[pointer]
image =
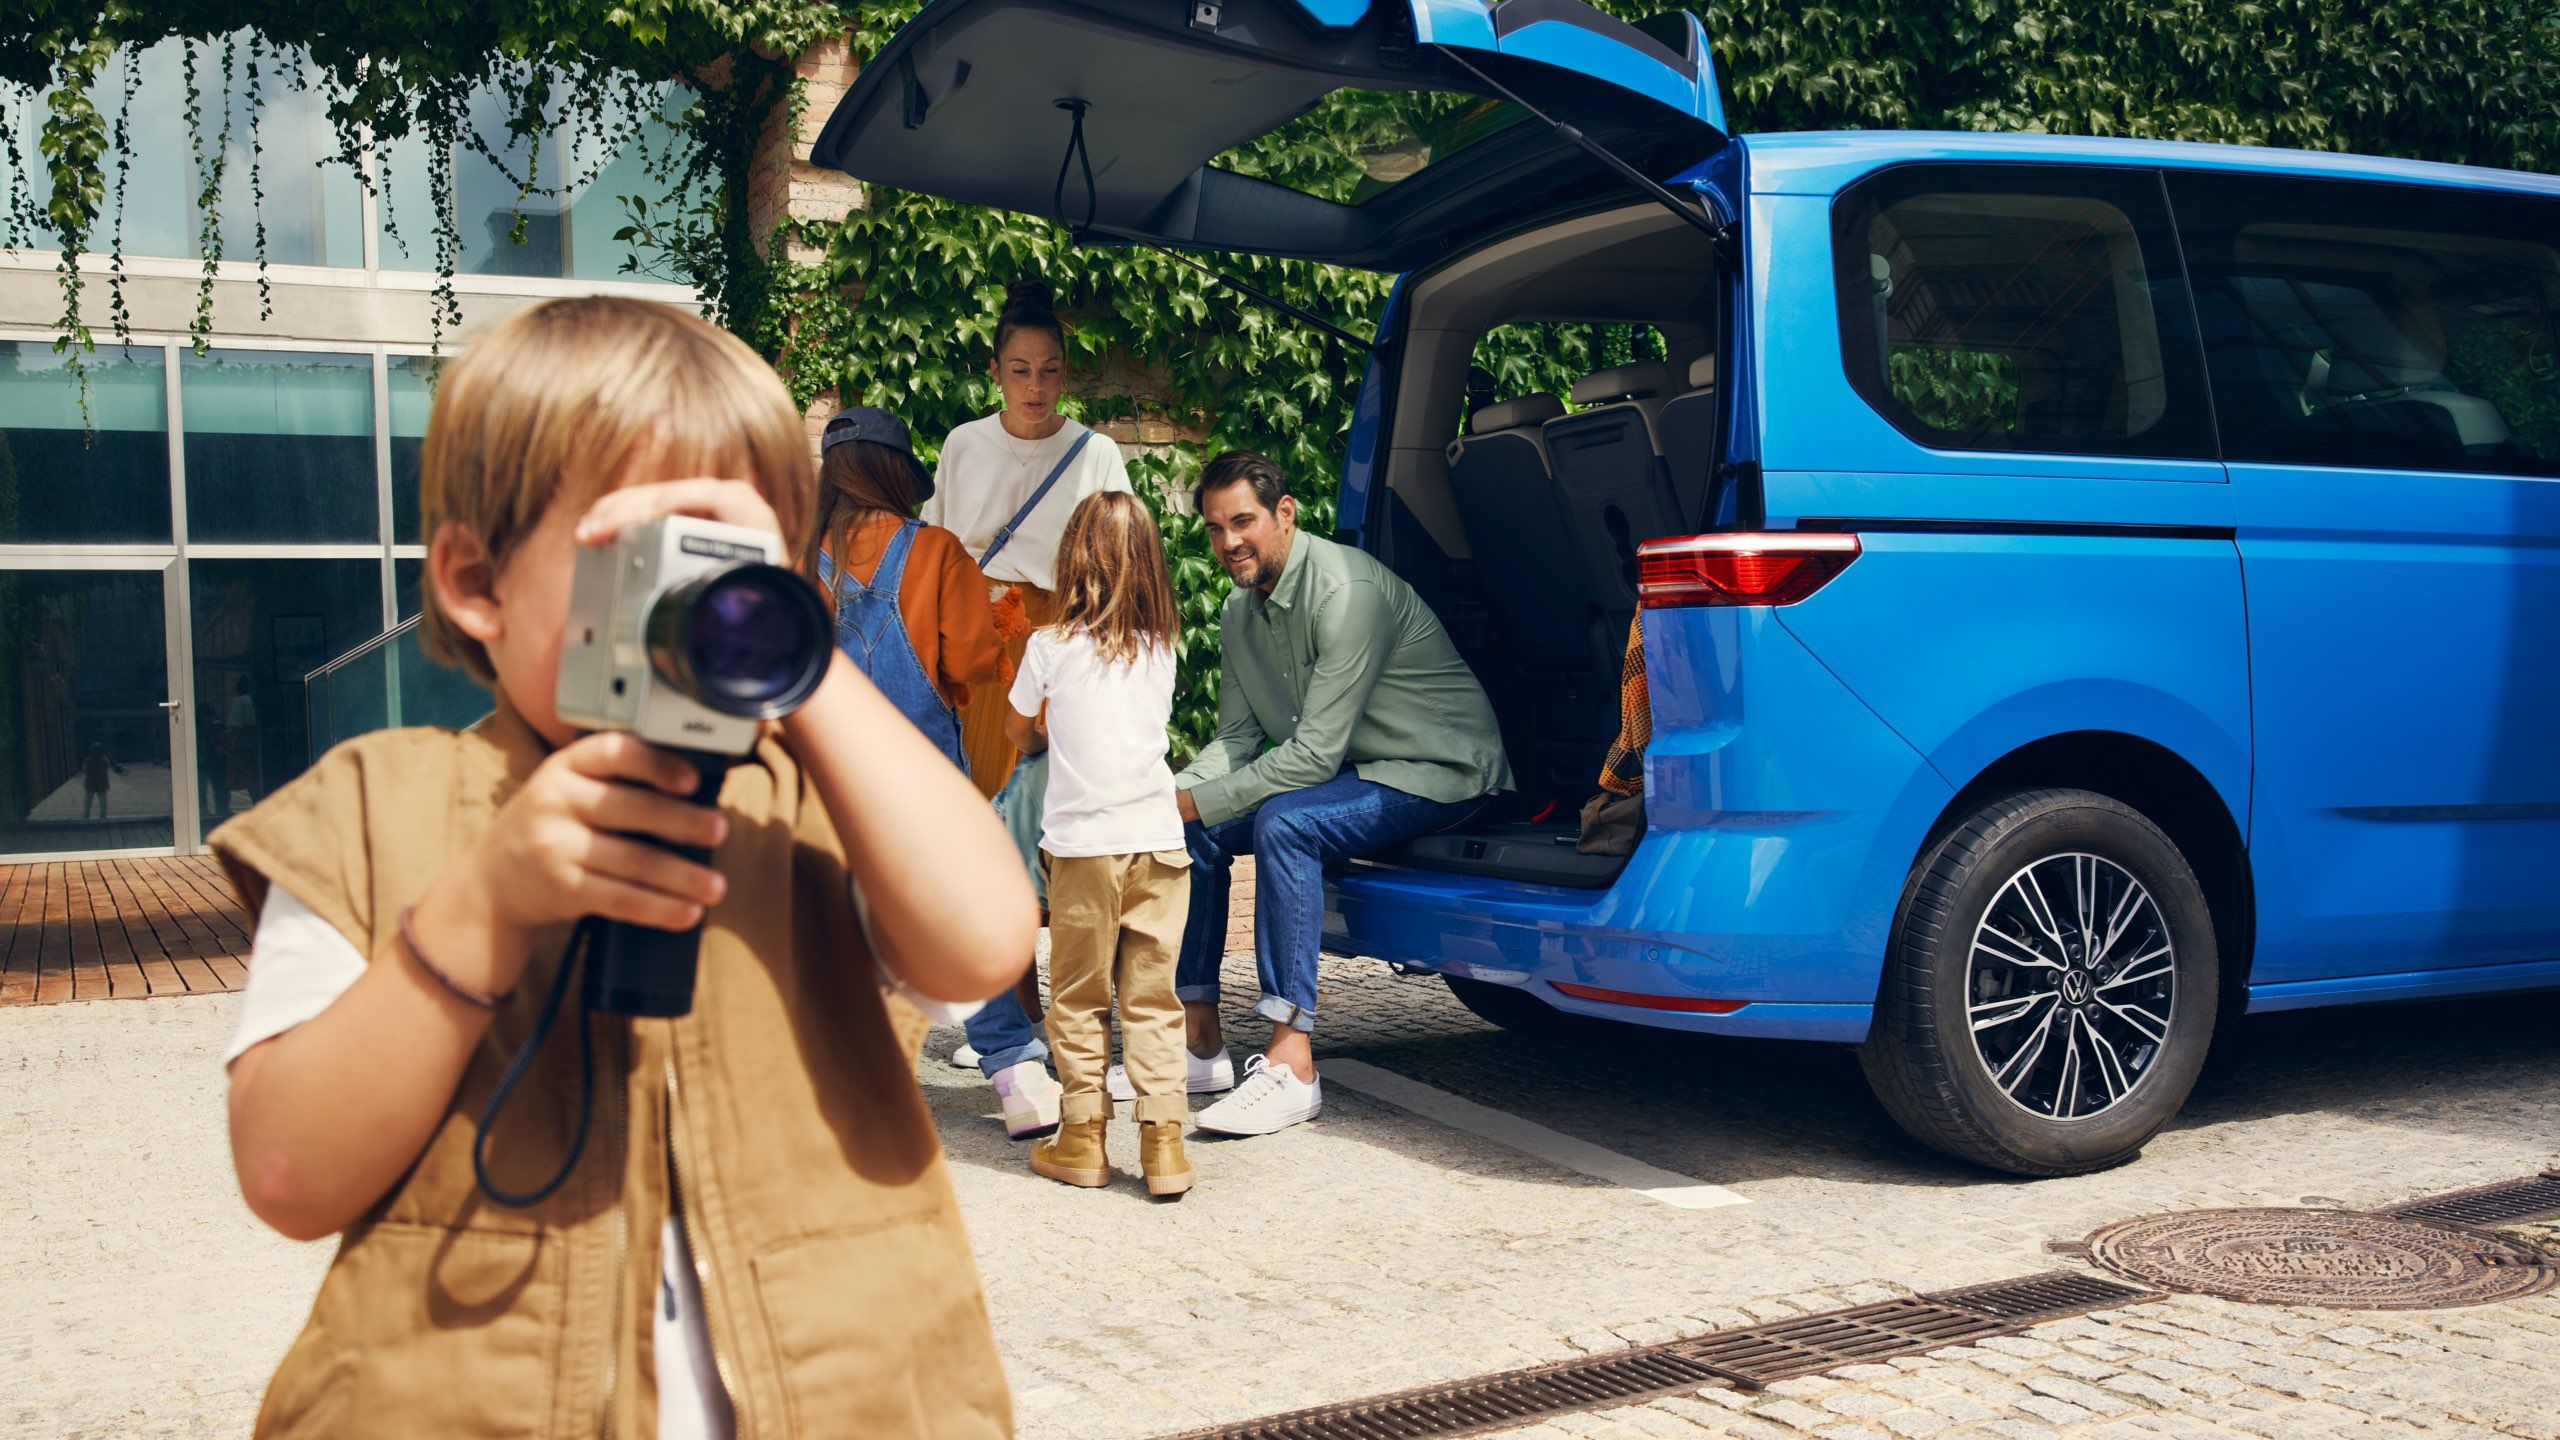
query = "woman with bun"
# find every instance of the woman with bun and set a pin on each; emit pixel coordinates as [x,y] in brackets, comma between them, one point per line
[989,491]
[1006,485]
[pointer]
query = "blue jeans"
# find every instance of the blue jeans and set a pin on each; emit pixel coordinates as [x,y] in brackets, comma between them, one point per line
[1293,837]
[1001,1032]
[1003,1035]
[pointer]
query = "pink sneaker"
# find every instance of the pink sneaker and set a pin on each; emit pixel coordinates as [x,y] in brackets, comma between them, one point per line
[1030,1098]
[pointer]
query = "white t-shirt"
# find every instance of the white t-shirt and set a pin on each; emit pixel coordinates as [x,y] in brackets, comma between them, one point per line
[1110,792]
[299,964]
[986,474]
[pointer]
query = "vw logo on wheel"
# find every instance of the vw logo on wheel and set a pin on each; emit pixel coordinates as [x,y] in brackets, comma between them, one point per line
[2075,986]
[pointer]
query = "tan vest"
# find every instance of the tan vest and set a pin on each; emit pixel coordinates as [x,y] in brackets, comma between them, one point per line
[781,1117]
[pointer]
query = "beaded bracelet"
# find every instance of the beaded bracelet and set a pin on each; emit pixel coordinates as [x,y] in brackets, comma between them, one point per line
[477,999]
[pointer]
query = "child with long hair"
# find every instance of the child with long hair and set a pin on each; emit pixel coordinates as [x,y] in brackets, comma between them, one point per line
[1119,873]
[911,608]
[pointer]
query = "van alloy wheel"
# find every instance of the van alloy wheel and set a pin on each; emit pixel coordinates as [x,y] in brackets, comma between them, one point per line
[2072,986]
[2050,987]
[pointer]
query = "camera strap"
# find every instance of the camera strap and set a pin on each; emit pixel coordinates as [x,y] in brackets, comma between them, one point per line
[1006,533]
[579,943]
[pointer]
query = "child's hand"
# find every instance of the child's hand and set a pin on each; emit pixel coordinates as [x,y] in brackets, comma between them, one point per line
[732,502]
[566,847]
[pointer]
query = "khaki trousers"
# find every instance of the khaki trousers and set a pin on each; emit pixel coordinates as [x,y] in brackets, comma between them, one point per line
[1115,925]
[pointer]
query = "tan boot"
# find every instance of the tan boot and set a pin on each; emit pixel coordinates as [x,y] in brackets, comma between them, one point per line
[1074,1156]
[1160,1158]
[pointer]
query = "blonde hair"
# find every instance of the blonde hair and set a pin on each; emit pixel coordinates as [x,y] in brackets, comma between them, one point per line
[1112,582]
[561,398]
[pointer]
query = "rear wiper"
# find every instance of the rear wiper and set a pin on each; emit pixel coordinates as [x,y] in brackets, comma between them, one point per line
[1265,297]
[1652,189]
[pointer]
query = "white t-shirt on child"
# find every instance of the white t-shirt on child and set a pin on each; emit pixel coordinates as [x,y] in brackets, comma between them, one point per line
[1110,791]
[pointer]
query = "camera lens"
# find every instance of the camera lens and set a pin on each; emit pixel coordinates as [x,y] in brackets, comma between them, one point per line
[749,640]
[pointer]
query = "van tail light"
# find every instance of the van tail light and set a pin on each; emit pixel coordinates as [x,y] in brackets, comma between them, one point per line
[1777,567]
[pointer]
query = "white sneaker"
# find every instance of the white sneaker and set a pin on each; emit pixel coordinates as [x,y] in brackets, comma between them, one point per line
[1199,1076]
[965,1058]
[1030,1098]
[1270,1098]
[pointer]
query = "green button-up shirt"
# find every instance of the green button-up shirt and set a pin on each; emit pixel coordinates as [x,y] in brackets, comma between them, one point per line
[1342,664]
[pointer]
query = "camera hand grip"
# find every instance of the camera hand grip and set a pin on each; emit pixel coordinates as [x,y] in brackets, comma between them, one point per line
[634,970]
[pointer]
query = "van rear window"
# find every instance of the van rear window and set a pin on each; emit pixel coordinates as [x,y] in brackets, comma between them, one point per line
[2385,326]
[2012,307]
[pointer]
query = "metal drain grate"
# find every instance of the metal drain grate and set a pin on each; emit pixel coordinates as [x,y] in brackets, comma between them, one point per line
[2038,1298]
[1752,1358]
[1808,1345]
[2509,1202]
[1495,1402]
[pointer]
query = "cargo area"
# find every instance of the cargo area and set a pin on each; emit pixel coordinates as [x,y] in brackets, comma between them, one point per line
[1517,515]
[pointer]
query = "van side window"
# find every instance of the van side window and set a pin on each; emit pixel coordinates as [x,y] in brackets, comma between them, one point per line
[2020,307]
[2391,326]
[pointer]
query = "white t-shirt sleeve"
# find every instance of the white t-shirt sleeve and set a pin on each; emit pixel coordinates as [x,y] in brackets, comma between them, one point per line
[1031,679]
[298,964]
[1115,473]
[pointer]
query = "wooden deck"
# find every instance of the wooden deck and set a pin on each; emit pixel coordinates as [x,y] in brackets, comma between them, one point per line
[118,930]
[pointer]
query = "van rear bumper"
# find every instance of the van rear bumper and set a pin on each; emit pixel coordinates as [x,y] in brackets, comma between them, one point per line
[1776,854]
[1795,986]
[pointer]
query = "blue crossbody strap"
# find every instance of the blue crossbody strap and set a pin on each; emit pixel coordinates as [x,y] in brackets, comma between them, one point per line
[1037,496]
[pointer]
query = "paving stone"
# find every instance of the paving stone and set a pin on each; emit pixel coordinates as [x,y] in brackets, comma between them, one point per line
[1793,1413]
[2082,1367]
[2059,1412]
[2017,1429]
[2144,1388]
[1860,1403]
[1916,1424]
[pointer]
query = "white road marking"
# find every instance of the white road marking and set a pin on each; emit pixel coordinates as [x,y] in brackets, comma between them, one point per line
[1528,1138]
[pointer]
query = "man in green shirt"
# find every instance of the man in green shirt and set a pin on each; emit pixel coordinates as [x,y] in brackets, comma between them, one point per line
[1347,725]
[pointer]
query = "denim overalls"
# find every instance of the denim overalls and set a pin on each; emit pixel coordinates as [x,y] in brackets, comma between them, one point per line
[873,635]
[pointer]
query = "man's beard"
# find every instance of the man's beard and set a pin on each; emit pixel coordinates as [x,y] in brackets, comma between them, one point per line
[1255,574]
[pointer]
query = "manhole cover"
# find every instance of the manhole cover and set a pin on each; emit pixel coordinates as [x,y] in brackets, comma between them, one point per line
[2335,1258]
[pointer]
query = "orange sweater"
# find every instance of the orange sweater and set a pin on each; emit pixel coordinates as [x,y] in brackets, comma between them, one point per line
[943,600]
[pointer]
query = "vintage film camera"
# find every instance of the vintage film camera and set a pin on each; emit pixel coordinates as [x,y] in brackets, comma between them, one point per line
[689,634]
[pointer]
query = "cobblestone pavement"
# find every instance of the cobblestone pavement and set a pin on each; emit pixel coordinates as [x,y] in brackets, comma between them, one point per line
[1374,1250]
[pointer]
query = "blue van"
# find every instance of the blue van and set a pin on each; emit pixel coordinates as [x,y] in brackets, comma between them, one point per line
[2087,588]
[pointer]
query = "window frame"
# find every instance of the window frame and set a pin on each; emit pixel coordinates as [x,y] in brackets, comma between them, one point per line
[2184,430]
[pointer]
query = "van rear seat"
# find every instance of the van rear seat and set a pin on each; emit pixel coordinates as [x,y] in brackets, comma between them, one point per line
[1687,427]
[1610,474]
[1515,519]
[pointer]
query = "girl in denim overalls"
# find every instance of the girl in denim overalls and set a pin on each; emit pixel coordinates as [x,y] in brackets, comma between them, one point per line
[911,607]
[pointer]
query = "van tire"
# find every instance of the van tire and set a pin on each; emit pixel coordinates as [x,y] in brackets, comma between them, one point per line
[1922,1056]
[1509,1008]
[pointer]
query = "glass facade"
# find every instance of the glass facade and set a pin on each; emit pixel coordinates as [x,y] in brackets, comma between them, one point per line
[279,531]
[85,755]
[63,484]
[505,226]
[279,447]
[260,626]
[412,388]
[314,205]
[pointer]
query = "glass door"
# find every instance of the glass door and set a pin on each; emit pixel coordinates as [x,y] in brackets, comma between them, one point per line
[96,748]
